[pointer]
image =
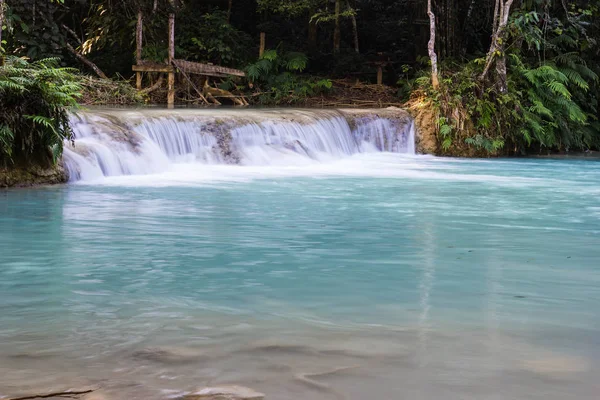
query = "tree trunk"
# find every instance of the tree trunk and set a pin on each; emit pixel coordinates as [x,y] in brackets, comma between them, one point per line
[501,74]
[138,48]
[171,76]
[431,47]
[337,36]
[465,42]
[138,36]
[261,49]
[354,30]
[1,22]
[229,7]
[312,34]
[496,51]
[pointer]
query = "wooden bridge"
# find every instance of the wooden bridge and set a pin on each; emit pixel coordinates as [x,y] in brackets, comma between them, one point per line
[186,68]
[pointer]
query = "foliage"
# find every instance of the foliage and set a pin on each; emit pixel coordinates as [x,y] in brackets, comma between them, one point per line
[549,104]
[96,91]
[34,102]
[217,41]
[33,27]
[279,75]
[550,46]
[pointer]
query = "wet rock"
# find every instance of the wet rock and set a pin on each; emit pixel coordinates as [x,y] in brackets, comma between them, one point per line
[32,175]
[224,142]
[227,392]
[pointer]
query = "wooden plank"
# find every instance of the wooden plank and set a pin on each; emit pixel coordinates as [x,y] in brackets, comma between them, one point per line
[194,86]
[152,68]
[206,69]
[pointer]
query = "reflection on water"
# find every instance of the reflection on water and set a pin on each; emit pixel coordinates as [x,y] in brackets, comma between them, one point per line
[376,276]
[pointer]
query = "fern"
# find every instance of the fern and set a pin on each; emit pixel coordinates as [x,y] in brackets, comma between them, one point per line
[34,102]
[296,61]
[278,75]
[270,55]
[559,88]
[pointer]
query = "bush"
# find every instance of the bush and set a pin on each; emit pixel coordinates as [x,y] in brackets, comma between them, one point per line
[35,98]
[277,78]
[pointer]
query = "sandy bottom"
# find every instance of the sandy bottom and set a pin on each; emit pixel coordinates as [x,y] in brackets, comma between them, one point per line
[305,362]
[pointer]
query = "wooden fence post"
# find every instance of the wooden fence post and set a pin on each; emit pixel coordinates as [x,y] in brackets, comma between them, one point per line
[171,77]
[138,49]
[261,49]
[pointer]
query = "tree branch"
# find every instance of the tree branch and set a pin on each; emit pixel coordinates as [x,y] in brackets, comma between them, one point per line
[86,61]
[72,32]
[156,85]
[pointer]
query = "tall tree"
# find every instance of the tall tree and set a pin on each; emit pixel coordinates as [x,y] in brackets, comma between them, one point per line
[352,13]
[337,35]
[431,47]
[496,52]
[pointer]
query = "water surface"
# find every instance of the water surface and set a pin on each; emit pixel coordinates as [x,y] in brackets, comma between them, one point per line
[376,275]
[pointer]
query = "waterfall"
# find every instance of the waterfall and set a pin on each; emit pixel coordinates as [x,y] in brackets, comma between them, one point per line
[125,142]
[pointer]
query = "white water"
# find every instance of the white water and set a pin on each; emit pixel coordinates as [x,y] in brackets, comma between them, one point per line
[119,143]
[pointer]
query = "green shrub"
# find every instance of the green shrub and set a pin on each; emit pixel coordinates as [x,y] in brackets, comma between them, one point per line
[35,98]
[277,78]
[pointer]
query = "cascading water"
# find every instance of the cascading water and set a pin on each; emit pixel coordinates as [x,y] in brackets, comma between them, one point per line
[121,142]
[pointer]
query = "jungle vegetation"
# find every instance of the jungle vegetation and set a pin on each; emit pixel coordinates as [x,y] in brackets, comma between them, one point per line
[497,77]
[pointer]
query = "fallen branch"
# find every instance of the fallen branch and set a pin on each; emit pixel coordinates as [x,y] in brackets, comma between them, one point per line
[156,85]
[86,61]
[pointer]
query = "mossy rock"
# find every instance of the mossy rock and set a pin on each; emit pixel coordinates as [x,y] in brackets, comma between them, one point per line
[32,176]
